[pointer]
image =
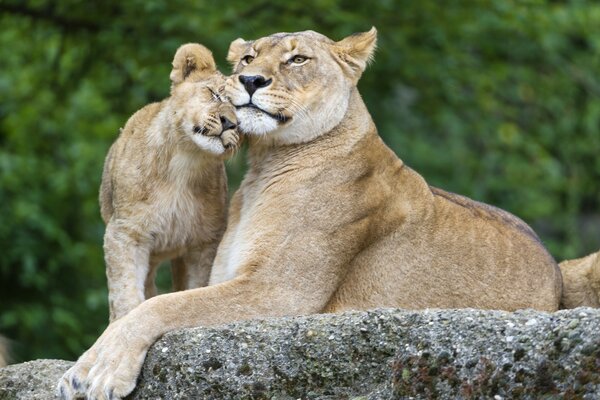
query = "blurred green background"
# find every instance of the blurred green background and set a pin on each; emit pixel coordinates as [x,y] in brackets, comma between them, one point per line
[496,100]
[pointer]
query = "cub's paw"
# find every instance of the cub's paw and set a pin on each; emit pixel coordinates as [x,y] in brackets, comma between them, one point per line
[230,139]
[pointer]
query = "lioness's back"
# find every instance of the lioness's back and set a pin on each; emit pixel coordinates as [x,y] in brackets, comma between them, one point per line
[446,251]
[496,249]
[487,212]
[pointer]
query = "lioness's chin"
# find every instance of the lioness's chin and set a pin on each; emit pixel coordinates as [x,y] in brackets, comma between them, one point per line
[255,122]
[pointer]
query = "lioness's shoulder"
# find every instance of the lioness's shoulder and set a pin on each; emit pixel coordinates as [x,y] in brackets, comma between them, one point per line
[486,211]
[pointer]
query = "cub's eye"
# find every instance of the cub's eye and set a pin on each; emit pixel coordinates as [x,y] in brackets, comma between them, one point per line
[215,95]
[298,59]
[247,60]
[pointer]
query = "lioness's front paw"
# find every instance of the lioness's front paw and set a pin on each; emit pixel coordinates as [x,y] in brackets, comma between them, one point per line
[108,371]
[72,385]
[230,139]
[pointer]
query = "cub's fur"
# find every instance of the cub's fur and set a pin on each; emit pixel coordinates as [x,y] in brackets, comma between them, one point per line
[328,219]
[3,352]
[164,188]
[581,280]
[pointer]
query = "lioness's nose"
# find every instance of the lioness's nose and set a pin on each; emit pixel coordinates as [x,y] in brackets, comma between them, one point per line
[226,124]
[254,82]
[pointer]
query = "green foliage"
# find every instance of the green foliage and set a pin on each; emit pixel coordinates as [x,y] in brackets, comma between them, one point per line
[497,100]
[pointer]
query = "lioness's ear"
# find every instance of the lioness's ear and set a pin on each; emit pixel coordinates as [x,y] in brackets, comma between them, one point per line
[236,50]
[355,52]
[192,62]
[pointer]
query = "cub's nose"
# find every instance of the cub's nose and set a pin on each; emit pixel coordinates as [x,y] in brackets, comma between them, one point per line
[254,82]
[226,124]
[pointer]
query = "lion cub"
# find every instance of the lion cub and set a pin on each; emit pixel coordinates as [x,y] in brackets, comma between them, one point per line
[164,189]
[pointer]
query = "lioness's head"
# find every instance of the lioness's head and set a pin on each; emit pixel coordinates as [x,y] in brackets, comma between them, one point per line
[293,87]
[200,110]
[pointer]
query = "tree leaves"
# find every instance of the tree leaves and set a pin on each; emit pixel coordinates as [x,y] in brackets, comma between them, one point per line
[499,101]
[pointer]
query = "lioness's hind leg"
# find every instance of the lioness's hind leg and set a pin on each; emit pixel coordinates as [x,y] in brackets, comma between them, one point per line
[193,269]
[127,263]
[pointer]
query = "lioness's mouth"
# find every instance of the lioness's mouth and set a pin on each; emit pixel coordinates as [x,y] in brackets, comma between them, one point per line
[278,117]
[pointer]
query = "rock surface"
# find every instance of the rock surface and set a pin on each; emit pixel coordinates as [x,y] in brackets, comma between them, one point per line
[378,354]
[31,380]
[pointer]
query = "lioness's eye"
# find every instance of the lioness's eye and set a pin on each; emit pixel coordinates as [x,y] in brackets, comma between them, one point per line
[298,59]
[247,60]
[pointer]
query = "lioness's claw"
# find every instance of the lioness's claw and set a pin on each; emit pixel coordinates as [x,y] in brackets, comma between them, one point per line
[61,392]
[70,385]
[75,383]
[101,384]
[69,388]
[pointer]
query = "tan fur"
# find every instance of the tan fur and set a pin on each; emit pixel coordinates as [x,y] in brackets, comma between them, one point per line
[581,282]
[4,359]
[164,188]
[329,219]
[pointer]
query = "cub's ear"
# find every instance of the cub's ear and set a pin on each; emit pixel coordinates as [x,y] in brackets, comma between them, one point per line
[355,52]
[236,50]
[192,62]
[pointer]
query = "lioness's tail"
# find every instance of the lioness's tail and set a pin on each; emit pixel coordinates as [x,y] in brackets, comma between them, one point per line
[581,282]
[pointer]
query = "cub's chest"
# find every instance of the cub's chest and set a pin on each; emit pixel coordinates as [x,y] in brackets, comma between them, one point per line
[189,205]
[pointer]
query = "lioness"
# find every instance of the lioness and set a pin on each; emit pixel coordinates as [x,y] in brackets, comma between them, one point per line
[164,188]
[327,219]
[581,282]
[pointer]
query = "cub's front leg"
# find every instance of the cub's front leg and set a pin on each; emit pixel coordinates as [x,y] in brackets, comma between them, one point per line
[127,257]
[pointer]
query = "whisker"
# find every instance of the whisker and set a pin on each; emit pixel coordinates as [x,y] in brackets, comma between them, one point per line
[298,110]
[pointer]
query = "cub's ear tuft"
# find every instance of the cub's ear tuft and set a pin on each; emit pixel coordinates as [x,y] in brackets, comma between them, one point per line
[355,52]
[236,50]
[192,62]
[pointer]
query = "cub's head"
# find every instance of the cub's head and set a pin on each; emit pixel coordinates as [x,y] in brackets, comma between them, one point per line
[199,108]
[293,87]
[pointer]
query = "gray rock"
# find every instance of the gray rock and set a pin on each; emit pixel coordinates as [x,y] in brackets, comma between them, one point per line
[31,380]
[378,354]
